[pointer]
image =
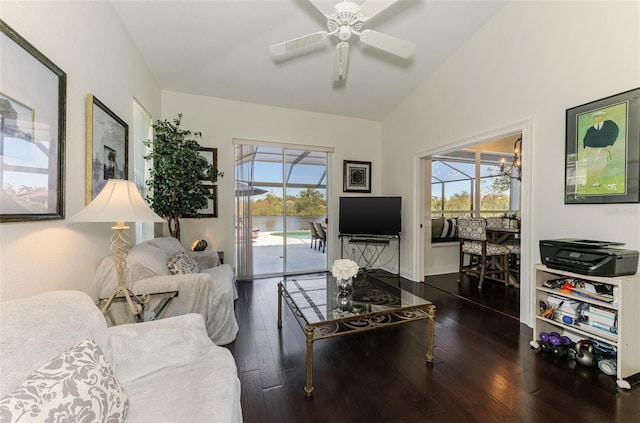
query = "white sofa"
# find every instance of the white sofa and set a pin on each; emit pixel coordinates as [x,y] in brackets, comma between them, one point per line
[166,370]
[210,293]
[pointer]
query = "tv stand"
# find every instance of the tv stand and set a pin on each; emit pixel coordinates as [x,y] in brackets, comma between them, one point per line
[366,250]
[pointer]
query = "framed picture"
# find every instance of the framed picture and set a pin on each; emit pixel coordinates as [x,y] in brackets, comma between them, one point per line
[603,151]
[210,155]
[107,147]
[212,203]
[32,132]
[356,176]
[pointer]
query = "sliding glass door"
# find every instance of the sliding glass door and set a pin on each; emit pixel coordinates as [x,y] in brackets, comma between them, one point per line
[281,192]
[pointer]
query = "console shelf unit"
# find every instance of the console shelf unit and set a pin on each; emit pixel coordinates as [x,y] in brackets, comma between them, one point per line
[626,304]
[363,242]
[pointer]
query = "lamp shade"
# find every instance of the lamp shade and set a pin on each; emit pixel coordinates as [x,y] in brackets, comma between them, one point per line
[119,201]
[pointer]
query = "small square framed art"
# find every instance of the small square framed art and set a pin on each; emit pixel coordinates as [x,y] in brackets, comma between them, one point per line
[356,176]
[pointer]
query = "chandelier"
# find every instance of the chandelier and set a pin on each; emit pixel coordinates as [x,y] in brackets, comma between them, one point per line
[517,163]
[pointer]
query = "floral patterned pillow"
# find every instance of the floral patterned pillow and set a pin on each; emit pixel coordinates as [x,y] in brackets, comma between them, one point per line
[181,263]
[79,385]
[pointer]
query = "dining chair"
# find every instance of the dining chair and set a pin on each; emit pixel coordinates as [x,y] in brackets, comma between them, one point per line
[486,259]
[514,261]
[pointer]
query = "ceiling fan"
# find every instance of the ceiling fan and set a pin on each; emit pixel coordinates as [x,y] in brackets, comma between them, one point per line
[345,19]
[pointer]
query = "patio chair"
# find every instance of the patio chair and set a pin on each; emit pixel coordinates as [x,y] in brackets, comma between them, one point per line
[314,235]
[322,236]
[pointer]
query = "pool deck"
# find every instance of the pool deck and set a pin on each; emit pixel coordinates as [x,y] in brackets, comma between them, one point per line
[268,255]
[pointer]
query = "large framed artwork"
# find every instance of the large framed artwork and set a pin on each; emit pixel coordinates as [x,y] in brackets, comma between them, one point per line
[107,147]
[32,132]
[356,176]
[603,151]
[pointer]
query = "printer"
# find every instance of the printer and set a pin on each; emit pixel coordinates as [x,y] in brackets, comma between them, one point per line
[588,257]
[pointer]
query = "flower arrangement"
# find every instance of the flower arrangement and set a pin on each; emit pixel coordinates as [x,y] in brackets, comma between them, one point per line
[344,269]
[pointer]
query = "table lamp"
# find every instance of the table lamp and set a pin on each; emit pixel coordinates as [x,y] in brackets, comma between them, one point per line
[119,201]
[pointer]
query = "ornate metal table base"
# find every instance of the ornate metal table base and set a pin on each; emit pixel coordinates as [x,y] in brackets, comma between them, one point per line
[375,307]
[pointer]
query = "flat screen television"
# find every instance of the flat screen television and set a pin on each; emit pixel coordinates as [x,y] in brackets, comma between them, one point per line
[370,215]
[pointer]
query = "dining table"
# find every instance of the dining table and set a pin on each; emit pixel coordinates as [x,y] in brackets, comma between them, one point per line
[503,235]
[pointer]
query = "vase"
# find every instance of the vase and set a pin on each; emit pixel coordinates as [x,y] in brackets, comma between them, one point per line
[344,284]
[344,301]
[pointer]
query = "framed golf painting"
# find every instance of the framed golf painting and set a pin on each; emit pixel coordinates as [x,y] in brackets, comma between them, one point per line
[602,161]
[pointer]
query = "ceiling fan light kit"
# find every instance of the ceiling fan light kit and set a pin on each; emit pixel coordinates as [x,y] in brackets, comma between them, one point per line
[340,64]
[345,21]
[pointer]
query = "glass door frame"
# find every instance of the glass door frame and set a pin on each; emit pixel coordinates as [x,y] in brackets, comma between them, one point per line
[246,175]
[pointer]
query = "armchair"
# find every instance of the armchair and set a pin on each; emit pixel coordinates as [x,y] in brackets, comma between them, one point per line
[210,293]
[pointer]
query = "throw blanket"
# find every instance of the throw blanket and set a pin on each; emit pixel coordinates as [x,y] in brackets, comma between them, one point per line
[210,293]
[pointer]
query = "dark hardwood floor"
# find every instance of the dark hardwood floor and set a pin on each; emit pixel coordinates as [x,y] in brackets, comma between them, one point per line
[484,370]
[493,295]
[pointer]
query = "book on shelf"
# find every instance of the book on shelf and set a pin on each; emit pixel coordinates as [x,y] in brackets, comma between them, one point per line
[611,330]
[595,318]
[602,312]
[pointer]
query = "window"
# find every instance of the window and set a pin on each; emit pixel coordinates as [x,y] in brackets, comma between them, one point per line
[142,131]
[495,189]
[452,184]
[468,182]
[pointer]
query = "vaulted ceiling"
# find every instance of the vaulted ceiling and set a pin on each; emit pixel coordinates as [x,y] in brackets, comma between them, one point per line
[220,48]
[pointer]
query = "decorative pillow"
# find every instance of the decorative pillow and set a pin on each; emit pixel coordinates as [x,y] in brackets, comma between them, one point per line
[443,230]
[205,259]
[436,227]
[78,385]
[448,228]
[181,263]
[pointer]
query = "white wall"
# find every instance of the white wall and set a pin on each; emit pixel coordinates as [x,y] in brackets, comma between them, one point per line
[530,63]
[88,42]
[220,121]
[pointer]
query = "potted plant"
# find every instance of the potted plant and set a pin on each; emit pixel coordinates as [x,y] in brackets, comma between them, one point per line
[178,172]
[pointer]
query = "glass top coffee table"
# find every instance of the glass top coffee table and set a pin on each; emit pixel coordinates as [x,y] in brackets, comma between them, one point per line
[323,311]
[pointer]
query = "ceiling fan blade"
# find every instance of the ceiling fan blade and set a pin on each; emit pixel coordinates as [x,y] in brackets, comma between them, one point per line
[388,43]
[282,48]
[371,8]
[325,7]
[340,62]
